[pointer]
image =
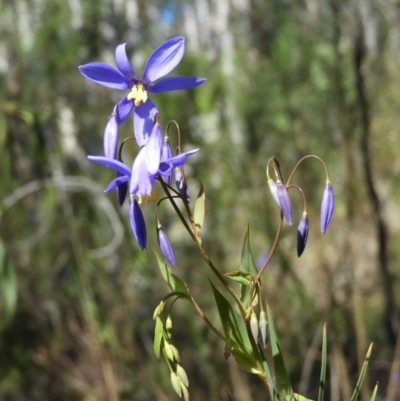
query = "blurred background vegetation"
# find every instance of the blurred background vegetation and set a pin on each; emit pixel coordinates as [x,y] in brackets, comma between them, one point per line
[284,78]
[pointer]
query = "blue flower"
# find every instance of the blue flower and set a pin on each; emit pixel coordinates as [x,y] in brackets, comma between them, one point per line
[146,168]
[163,60]
[327,205]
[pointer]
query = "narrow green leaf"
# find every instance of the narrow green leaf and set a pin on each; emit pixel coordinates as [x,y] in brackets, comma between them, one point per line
[8,283]
[174,282]
[323,366]
[233,324]
[375,392]
[240,277]
[158,337]
[248,266]
[362,374]
[199,208]
[282,382]
[267,373]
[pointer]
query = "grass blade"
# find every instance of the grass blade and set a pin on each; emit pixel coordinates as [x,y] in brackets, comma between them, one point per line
[362,375]
[323,366]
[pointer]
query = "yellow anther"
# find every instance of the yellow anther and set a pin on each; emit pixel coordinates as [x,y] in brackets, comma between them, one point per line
[148,198]
[139,94]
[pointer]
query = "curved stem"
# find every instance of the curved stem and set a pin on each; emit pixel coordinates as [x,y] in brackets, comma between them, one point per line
[201,250]
[302,195]
[301,160]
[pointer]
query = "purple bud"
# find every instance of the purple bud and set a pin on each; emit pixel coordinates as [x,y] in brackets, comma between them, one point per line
[302,234]
[165,246]
[122,190]
[166,154]
[138,224]
[274,190]
[284,201]
[110,140]
[327,205]
[182,187]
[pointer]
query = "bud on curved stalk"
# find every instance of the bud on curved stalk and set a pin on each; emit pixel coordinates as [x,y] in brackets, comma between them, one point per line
[284,201]
[138,224]
[274,191]
[327,205]
[180,184]
[263,328]
[166,154]
[110,139]
[254,326]
[165,246]
[302,234]
[122,190]
[176,384]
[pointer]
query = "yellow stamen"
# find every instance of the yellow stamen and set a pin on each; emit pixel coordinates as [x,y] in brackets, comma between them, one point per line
[148,198]
[138,93]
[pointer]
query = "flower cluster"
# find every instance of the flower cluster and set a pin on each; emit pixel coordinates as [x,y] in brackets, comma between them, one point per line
[279,192]
[155,158]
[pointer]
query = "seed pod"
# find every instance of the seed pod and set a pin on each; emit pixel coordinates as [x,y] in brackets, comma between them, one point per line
[254,326]
[264,328]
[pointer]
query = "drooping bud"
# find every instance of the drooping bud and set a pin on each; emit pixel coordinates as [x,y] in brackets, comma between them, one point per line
[254,326]
[138,224]
[122,190]
[168,351]
[180,184]
[327,205]
[274,191]
[263,328]
[165,246]
[166,153]
[302,234]
[284,201]
[110,139]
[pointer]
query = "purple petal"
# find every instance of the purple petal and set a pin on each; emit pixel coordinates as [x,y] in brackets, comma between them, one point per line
[165,246]
[122,190]
[123,63]
[110,140]
[141,180]
[105,75]
[124,107]
[112,163]
[284,201]
[327,205]
[138,224]
[164,59]
[116,182]
[153,150]
[166,154]
[178,160]
[143,121]
[302,234]
[175,83]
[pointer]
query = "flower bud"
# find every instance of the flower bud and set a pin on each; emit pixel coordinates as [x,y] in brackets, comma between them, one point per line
[302,234]
[182,375]
[176,384]
[165,246]
[254,326]
[263,328]
[122,190]
[138,224]
[274,191]
[166,153]
[327,205]
[110,139]
[284,201]
[180,184]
